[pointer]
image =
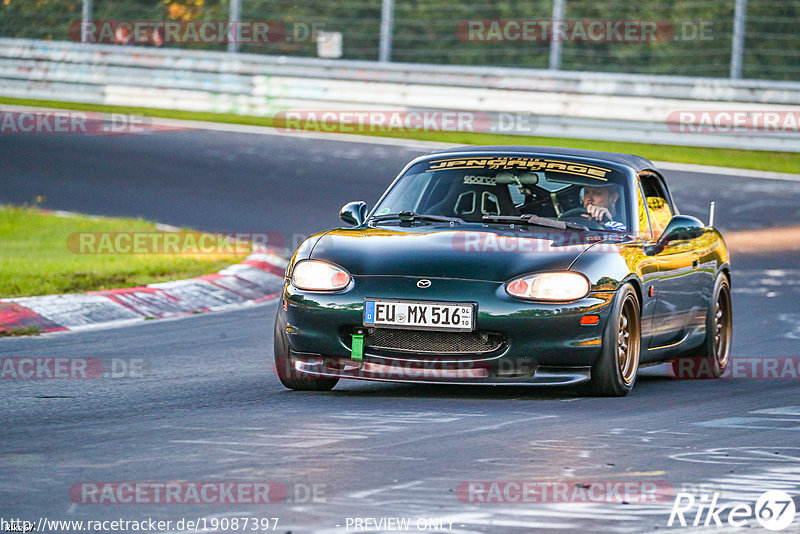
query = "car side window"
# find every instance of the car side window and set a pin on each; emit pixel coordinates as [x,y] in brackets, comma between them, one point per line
[658,207]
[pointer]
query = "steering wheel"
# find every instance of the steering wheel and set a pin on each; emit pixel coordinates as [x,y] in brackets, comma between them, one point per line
[577,215]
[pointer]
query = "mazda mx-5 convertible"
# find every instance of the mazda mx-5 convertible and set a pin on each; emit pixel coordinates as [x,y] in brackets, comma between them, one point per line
[508,265]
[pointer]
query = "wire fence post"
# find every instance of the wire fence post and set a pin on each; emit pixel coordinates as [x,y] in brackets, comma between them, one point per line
[737,43]
[86,18]
[387,15]
[555,43]
[233,17]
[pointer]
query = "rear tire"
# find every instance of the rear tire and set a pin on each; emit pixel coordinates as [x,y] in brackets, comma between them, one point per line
[284,362]
[711,359]
[614,372]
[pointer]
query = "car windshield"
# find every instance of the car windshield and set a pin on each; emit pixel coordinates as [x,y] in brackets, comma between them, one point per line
[480,189]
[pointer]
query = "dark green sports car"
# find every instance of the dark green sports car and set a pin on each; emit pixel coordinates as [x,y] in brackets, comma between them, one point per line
[508,265]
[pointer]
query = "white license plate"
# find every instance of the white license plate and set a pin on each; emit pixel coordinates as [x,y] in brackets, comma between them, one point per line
[421,315]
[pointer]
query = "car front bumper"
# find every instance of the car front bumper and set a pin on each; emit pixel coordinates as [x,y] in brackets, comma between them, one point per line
[543,343]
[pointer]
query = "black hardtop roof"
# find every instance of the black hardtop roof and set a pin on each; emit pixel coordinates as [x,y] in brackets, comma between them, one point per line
[637,162]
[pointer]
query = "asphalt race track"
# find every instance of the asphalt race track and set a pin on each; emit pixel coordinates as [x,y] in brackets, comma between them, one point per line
[203,404]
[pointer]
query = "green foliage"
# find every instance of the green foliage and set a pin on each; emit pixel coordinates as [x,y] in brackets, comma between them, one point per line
[38,19]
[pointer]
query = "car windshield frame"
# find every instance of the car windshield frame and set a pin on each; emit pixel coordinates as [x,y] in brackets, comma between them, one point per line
[621,175]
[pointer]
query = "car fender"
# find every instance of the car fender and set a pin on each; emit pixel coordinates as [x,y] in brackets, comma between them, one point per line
[609,266]
[304,250]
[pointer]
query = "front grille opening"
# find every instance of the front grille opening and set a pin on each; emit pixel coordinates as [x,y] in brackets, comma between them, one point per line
[431,342]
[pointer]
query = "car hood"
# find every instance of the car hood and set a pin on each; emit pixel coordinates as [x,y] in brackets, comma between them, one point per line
[491,254]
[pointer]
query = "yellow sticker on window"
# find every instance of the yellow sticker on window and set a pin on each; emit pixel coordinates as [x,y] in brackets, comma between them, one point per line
[528,164]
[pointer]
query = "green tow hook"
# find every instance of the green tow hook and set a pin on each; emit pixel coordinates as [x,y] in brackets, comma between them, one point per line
[357,347]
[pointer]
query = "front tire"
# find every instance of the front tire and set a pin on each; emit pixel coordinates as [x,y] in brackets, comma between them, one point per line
[284,362]
[614,372]
[711,359]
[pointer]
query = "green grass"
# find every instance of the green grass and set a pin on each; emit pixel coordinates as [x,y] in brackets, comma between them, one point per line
[35,258]
[745,159]
[27,331]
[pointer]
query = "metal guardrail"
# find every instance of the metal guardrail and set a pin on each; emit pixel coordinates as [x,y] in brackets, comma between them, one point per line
[566,104]
[717,89]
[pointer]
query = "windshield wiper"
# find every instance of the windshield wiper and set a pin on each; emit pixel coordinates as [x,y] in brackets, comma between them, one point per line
[535,220]
[409,216]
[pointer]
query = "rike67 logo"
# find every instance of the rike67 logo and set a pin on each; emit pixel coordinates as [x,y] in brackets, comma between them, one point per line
[774,510]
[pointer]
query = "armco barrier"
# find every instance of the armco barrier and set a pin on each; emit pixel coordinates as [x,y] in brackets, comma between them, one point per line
[567,104]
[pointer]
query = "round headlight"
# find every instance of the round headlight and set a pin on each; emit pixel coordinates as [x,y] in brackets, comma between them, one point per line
[555,287]
[316,275]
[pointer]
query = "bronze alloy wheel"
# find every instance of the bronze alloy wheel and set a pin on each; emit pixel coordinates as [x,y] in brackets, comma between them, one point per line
[614,371]
[710,360]
[722,326]
[628,340]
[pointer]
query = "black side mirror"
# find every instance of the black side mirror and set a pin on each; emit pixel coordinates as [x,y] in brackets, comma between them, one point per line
[354,213]
[680,228]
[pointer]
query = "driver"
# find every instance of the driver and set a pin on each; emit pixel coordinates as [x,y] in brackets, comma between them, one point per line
[600,203]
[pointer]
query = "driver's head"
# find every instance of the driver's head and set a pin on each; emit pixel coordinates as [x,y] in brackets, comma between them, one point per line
[604,197]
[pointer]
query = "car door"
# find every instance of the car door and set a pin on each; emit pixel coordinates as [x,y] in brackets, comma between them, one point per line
[678,285]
